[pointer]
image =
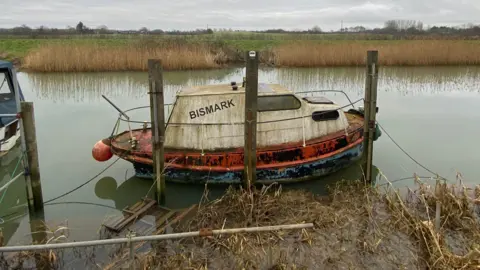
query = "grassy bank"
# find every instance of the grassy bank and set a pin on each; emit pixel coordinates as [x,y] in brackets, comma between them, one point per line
[70,55]
[356,227]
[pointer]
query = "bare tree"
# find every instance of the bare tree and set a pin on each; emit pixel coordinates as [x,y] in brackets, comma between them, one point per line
[316,29]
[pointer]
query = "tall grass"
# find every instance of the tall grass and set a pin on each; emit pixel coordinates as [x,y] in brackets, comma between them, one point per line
[406,53]
[181,54]
[78,58]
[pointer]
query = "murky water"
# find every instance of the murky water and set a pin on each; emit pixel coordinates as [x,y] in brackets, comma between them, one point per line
[430,112]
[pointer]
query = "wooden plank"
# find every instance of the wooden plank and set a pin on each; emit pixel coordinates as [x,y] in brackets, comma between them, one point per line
[182,215]
[112,222]
[134,206]
[177,218]
[165,217]
[128,211]
[125,222]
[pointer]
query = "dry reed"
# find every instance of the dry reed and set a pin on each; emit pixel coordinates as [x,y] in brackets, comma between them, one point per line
[396,53]
[355,227]
[83,58]
[181,55]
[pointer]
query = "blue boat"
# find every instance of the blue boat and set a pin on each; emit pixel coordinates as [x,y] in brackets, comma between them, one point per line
[10,97]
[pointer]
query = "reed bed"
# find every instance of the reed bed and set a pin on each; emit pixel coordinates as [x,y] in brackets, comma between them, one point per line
[402,53]
[356,227]
[97,58]
[182,54]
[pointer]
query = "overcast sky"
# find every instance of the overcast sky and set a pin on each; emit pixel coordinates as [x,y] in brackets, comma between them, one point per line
[235,14]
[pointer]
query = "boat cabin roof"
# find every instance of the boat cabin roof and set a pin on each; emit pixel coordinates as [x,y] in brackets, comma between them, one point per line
[5,64]
[8,103]
[221,89]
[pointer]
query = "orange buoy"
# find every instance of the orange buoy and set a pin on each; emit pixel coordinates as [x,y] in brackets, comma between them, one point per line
[101,151]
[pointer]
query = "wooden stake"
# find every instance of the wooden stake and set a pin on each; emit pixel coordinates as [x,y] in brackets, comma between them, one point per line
[438,194]
[39,231]
[251,93]
[155,79]
[370,111]
[34,186]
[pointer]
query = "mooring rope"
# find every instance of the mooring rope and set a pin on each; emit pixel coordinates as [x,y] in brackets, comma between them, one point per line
[408,155]
[90,180]
[86,203]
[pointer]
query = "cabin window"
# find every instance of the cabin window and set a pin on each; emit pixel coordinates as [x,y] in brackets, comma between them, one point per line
[4,83]
[278,103]
[325,115]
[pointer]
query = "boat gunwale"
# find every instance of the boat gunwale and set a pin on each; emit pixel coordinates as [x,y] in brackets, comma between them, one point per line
[149,161]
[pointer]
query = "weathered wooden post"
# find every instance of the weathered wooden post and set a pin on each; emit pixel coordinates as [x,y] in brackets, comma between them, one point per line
[370,111]
[29,142]
[251,92]
[438,206]
[155,79]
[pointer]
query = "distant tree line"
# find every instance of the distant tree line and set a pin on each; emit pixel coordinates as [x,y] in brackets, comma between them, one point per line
[395,27]
[392,27]
[81,28]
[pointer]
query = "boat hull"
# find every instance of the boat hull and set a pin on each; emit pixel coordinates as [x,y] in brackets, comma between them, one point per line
[284,163]
[290,174]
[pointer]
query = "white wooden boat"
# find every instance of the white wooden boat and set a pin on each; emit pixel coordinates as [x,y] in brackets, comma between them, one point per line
[297,137]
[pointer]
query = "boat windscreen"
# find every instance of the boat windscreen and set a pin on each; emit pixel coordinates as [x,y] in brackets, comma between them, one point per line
[8,104]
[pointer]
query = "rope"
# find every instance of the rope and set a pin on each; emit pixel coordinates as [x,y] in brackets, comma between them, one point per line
[405,152]
[88,203]
[90,180]
[403,179]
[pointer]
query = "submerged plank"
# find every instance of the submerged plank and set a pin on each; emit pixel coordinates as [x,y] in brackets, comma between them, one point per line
[141,208]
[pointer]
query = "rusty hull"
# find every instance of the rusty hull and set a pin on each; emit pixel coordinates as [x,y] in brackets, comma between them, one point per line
[289,162]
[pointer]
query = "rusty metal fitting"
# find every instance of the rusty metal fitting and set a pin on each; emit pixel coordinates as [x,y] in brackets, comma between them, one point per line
[206,232]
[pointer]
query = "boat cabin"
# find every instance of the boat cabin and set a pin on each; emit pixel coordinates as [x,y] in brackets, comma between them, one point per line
[9,103]
[212,117]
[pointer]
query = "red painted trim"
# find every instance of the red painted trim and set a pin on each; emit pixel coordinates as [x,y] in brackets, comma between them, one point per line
[223,168]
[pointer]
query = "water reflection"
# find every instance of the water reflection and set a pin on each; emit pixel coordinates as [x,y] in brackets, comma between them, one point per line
[81,87]
[13,200]
[184,195]
[404,81]
[127,193]
[133,189]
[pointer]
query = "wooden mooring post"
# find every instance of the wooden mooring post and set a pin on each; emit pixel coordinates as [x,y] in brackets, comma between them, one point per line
[155,79]
[370,111]
[251,93]
[29,145]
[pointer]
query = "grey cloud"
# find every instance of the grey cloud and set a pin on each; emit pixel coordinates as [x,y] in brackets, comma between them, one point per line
[245,14]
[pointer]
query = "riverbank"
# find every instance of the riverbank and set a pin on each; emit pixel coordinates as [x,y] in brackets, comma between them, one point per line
[355,227]
[183,54]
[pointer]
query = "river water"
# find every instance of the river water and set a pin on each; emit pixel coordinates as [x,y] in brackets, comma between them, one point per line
[430,112]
